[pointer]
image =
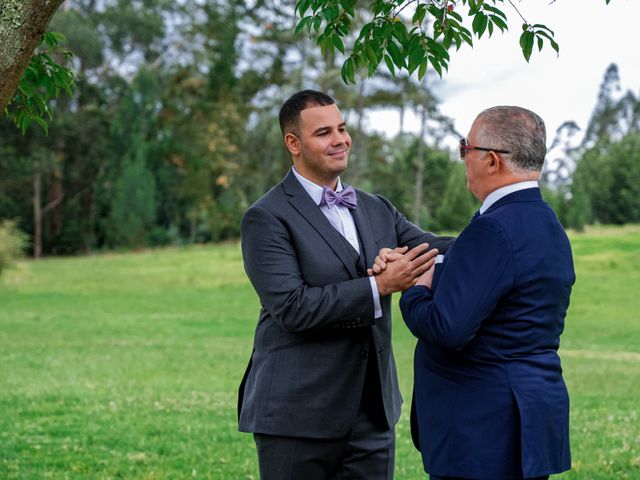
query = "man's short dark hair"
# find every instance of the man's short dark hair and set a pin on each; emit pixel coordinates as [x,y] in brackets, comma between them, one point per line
[290,112]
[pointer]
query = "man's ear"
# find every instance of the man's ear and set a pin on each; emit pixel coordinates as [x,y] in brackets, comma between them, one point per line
[495,163]
[292,143]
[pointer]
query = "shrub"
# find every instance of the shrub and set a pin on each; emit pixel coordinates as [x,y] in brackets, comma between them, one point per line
[12,243]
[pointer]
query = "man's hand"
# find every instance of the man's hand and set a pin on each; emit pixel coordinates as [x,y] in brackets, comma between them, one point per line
[386,255]
[404,271]
[427,277]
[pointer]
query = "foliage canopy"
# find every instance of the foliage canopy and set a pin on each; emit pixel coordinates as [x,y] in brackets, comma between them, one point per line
[410,35]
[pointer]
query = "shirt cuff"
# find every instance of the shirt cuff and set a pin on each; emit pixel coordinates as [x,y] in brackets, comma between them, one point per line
[377,309]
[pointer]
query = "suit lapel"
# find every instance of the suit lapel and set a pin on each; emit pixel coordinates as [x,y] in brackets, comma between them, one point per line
[302,202]
[363,225]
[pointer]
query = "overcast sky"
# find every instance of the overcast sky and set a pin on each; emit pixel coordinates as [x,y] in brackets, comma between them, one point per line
[591,35]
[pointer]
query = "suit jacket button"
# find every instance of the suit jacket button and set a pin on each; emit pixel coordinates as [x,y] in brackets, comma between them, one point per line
[364,354]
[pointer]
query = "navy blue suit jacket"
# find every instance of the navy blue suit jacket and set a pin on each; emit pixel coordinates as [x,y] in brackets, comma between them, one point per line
[489,394]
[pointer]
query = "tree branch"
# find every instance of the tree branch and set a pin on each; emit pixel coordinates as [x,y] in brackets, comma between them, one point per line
[52,204]
[518,12]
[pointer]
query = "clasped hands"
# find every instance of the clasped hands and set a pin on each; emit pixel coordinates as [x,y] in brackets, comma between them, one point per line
[399,268]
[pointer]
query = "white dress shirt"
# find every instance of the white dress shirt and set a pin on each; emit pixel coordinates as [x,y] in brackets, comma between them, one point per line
[496,195]
[340,218]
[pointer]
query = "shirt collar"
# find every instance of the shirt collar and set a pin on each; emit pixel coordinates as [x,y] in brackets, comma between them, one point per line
[496,195]
[314,190]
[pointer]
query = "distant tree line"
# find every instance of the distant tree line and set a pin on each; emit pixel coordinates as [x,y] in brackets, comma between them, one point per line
[173,133]
[595,177]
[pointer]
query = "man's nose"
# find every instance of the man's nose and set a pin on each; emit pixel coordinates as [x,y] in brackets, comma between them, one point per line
[340,138]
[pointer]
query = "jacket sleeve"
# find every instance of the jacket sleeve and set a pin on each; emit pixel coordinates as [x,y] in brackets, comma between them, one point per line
[478,272]
[272,265]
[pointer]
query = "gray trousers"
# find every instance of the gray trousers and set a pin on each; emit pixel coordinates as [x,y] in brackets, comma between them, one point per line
[367,452]
[435,477]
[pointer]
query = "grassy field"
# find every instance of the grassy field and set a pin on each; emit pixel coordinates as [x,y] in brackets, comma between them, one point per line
[127,365]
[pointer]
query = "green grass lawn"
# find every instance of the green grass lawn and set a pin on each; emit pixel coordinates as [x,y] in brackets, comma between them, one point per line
[127,365]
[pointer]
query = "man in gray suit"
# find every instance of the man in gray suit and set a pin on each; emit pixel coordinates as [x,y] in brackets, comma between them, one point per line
[321,393]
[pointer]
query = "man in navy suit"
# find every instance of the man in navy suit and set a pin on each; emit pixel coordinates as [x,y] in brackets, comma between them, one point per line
[490,400]
[321,393]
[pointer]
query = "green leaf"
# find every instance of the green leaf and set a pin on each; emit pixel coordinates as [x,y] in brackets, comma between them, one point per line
[302,23]
[436,65]
[331,13]
[458,39]
[501,24]
[543,27]
[387,29]
[346,4]
[418,16]
[435,11]
[454,14]
[479,24]
[438,49]
[302,6]
[26,88]
[448,39]
[347,71]
[43,124]
[69,88]
[337,42]
[552,42]
[495,11]
[422,70]
[53,39]
[400,32]
[49,86]
[526,43]
[317,23]
[466,36]
[389,62]
[25,121]
[371,69]
[414,41]
[325,43]
[395,54]
[415,58]
[371,56]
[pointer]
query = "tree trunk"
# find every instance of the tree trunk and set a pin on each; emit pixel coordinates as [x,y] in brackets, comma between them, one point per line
[359,149]
[418,197]
[37,214]
[22,24]
[55,195]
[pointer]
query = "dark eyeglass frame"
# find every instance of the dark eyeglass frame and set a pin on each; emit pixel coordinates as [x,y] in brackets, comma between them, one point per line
[464,146]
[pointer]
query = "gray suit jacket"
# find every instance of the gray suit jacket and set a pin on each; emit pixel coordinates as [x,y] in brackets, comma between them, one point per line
[306,374]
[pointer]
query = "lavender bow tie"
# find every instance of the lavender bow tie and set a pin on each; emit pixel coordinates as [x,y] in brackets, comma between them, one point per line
[346,198]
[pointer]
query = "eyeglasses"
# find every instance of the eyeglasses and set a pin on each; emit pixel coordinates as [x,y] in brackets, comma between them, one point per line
[464,147]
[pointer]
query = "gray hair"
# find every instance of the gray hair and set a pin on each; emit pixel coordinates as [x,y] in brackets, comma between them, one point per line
[518,130]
